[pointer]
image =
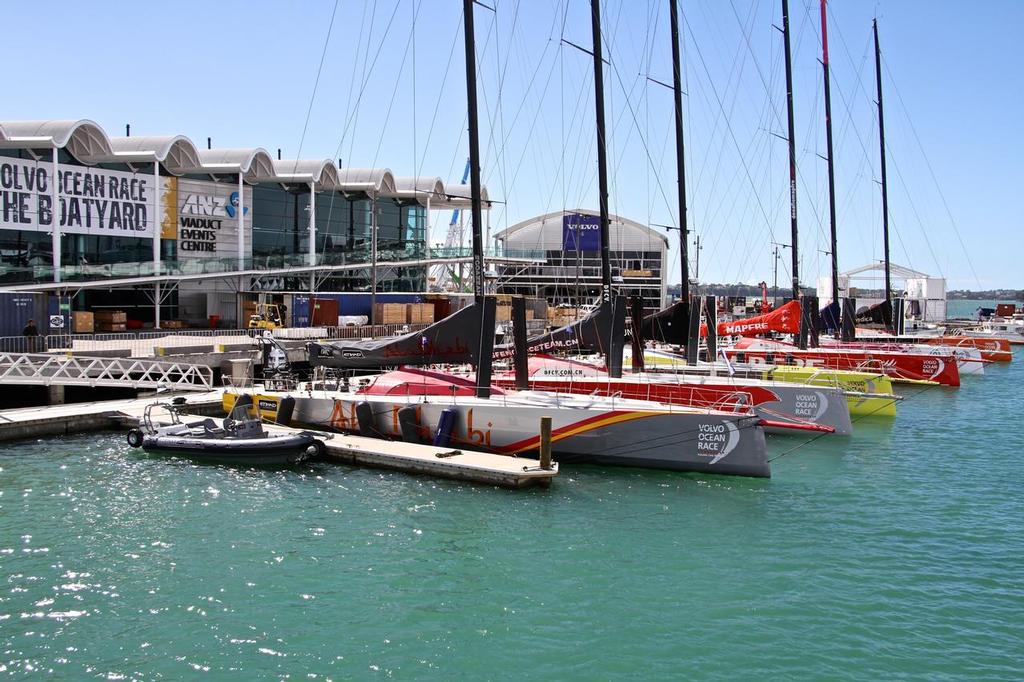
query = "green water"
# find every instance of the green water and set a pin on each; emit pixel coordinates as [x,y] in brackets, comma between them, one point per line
[898,552]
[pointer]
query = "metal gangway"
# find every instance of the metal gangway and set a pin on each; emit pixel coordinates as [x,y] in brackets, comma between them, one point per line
[65,370]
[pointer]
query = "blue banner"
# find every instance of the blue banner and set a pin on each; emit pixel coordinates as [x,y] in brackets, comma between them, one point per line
[581,232]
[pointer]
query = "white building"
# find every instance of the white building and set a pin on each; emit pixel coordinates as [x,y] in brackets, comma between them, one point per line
[571,272]
[925,295]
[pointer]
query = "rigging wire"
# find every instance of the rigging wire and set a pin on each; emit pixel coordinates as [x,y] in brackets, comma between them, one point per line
[316,82]
[732,134]
[931,172]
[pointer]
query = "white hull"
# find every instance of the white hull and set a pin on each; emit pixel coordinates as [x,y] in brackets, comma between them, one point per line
[618,432]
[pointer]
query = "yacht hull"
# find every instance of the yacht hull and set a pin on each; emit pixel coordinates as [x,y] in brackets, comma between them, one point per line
[583,429]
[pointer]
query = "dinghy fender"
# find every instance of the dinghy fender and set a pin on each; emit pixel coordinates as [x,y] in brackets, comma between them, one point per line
[285,410]
[364,417]
[409,424]
[445,425]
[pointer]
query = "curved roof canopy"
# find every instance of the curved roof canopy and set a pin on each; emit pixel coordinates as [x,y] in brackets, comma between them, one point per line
[461,196]
[175,153]
[83,139]
[254,164]
[370,180]
[304,171]
[616,221]
[898,270]
[420,189]
[178,155]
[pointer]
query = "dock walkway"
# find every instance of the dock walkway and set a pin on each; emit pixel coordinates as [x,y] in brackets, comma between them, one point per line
[443,462]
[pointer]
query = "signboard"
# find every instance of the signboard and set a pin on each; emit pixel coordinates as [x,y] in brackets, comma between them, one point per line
[204,220]
[581,232]
[92,201]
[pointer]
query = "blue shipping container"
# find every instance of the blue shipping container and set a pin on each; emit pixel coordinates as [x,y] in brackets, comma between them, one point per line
[359,303]
[300,311]
[17,309]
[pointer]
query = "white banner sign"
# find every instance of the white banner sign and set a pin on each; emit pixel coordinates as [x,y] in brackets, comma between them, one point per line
[92,200]
[207,220]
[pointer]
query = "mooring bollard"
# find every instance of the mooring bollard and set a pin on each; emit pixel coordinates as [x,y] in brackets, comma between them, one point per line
[545,442]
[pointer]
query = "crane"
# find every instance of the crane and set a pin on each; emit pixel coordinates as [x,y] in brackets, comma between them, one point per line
[444,274]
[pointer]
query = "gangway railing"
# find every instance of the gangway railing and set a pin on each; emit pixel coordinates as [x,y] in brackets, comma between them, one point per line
[62,370]
[141,343]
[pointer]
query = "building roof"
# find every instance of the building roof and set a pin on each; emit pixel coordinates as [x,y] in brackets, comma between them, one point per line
[90,145]
[369,180]
[176,153]
[898,270]
[295,171]
[420,188]
[461,196]
[254,164]
[557,215]
[83,138]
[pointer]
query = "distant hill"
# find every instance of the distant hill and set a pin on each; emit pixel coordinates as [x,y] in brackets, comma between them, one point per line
[992,294]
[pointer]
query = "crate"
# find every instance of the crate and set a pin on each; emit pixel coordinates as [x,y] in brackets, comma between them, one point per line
[420,313]
[111,316]
[173,324]
[540,308]
[83,322]
[111,327]
[503,313]
[390,313]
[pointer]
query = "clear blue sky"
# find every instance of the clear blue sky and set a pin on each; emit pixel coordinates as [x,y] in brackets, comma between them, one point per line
[244,72]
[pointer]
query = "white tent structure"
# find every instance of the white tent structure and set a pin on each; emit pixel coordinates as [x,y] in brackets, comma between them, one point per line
[925,295]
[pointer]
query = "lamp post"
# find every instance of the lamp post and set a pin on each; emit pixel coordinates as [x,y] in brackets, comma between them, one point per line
[775,272]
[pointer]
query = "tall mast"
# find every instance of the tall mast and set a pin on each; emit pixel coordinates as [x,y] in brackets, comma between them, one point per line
[793,232]
[828,142]
[474,153]
[885,193]
[602,162]
[486,340]
[677,88]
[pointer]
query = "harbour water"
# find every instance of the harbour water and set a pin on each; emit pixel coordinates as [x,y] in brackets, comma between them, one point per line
[894,553]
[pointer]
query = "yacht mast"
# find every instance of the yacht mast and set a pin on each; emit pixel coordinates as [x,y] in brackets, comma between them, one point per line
[791,139]
[828,143]
[486,342]
[474,153]
[885,194]
[602,161]
[677,89]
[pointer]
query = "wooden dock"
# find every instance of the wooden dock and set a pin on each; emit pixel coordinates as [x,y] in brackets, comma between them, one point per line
[444,462]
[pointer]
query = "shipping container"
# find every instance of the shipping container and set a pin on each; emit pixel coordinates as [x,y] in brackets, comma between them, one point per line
[300,310]
[17,309]
[323,312]
[358,303]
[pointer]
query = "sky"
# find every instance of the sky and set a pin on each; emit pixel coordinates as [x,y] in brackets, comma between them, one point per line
[381,83]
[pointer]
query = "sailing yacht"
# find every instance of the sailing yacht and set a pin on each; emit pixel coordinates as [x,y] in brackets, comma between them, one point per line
[424,405]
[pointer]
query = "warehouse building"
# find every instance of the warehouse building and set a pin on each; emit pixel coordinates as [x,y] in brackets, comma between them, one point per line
[569,243]
[129,221]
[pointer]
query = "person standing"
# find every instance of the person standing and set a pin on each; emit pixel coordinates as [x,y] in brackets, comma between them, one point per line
[31,334]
